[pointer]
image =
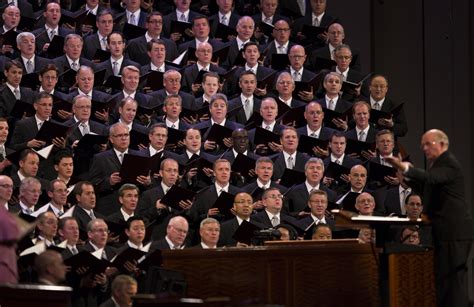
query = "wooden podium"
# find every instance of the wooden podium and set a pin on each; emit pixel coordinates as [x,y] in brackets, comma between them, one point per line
[298,273]
[34,295]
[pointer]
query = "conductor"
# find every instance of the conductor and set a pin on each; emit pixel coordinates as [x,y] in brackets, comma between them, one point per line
[452,223]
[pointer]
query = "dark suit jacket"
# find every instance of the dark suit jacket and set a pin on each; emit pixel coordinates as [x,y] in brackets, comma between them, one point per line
[91,44]
[103,165]
[147,68]
[400,127]
[324,134]
[107,65]
[323,53]
[206,127]
[279,165]
[444,198]
[262,218]
[137,50]
[160,95]
[142,100]
[7,99]
[96,95]
[308,220]
[231,86]
[121,20]
[109,251]
[200,181]
[62,63]
[234,52]
[341,105]
[240,117]
[271,49]
[83,219]
[108,303]
[228,229]
[251,187]
[25,7]
[40,63]
[352,134]
[348,161]
[25,130]
[172,16]
[216,45]
[326,21]
[298,197]
[214,20]
[42,39]
[191,73]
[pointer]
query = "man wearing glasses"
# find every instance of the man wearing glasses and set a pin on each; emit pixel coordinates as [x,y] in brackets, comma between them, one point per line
[281,43]
[272,216]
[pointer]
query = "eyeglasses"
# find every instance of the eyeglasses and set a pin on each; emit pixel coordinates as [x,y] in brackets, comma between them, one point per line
[6,186]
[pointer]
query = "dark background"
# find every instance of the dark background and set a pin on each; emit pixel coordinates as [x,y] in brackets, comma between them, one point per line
[424,47]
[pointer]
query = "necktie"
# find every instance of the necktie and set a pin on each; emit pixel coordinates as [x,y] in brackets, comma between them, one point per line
[92,215]
[313,135]
[247,108]
[74,66]
[316,22]
[39,125]
[60,213]
[29,211]
[302,6]
[331,105]
[74,250]
[16,92]
[241,46]
[281,49]
[85,129]
[2,154]
[268,128]
[338,161]
[362,136]
[182,18]
[29,67]
[121,157]
[291,164]
[132,19]
[116,68]
[224,20]
[103,43]
[296,76]
[275,221]
[377,106]
[52,33]
[268,20]
[173,126]
[104,255]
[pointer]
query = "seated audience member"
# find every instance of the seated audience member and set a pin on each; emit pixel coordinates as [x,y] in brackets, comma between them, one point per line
[176,233]
[57,192]
[123,288]
[206,198]
[322,232]
[289,157]
[365,204]
[247,102]
[379,101]
[366,236]
[47,228]
[272,215]
[287,232]
[209,231]
[298,196]
[68,229]
[264,172]
[317,203]
[50,268]
[243,211]
[128,199]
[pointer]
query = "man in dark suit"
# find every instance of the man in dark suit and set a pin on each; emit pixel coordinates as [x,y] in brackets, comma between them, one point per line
[182,14]
[11,91]
[204,57]
[281,43]
[289,157]
[84,211]
[251,55]
[105,167]
[150,206]
[218,107]
[245,29]
[298,196]
[128,199]
[31,62]
[315,16]
[72,59]
[451,216]
[98,40]
[114,65]
[137,47]
[272,215]
[269,16]
[317,203]
[123,288]
[363,131]
[209,231]
[297,57]
[225,15]
[156,51]
[5,165]
[44,35]
[314,116]
[285,86]
[246,103]
[176,232]
[206,198]
[243,211]
[133,15]
[195,179]
[172,85]
[68,230]
[357,184]
[200,28]
[25,8]
[378,89]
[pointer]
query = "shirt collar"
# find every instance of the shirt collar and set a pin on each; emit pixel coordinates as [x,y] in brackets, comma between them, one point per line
[126,216]
[310,187]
